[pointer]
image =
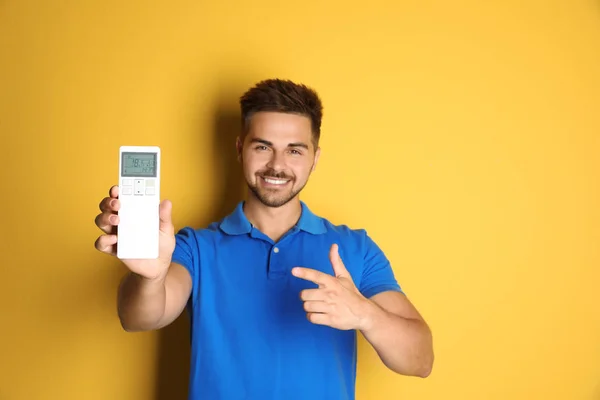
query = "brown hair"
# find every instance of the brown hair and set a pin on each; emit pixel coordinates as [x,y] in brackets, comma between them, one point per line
[283,96]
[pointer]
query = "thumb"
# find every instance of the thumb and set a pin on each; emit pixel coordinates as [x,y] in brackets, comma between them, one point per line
[164,212]
[339,269]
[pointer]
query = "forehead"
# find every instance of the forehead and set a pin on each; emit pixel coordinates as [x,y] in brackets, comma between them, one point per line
[280,128]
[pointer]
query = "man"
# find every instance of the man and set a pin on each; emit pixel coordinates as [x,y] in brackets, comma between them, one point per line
[275,293]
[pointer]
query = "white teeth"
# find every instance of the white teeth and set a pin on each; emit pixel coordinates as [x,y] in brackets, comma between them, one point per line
[275,181]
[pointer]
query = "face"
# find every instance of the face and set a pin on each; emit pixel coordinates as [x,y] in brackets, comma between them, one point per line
[277,156]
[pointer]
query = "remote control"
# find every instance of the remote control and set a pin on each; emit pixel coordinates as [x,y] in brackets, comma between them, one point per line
[139,195]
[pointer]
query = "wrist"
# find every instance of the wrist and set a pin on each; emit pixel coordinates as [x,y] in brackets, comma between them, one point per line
[156,275]
[152,281]
[372,314]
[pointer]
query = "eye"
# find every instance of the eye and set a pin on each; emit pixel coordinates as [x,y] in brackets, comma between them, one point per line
[296,152]
[261,147]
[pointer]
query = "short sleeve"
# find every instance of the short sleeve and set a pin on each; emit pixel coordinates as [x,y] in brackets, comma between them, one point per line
[184,249]
[186,254]
[378,275]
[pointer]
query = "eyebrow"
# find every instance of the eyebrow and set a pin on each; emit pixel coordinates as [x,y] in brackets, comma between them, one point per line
[266,142]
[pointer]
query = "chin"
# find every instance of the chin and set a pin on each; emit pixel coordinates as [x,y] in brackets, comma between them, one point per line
[275,202]
[270,200]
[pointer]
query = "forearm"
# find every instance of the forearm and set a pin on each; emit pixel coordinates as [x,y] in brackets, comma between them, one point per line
[404,345]
[141,302]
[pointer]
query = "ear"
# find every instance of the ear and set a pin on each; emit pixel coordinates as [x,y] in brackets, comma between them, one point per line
[317,154]
[239,145]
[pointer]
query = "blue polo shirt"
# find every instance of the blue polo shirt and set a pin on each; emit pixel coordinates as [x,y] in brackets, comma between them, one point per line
[250,338]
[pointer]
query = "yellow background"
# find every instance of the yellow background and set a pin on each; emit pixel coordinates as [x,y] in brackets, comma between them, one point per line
[463,135]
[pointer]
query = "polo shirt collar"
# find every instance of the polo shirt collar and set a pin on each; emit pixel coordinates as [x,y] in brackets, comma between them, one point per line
[237,223]
[309,222]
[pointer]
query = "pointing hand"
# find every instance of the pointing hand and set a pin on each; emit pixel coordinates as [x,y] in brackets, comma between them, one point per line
[336,302]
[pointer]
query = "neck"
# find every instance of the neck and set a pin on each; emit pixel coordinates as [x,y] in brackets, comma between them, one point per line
[273,222]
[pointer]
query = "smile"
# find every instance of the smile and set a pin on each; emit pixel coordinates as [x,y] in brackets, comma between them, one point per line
[274,181]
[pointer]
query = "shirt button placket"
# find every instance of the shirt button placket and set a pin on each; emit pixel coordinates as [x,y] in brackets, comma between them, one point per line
[275,264]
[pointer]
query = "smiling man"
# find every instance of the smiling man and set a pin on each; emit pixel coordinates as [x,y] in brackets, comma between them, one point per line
[275,293]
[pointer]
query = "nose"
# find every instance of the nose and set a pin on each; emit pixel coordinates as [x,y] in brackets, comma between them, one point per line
[277,161]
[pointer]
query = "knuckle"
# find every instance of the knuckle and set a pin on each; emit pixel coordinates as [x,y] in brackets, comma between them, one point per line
[108,204]
[98,243]
[102,223]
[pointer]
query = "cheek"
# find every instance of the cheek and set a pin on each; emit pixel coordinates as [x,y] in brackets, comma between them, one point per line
[252,163]
[301,168]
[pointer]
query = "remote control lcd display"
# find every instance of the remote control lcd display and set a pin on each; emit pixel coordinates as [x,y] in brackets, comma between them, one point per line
[139,164]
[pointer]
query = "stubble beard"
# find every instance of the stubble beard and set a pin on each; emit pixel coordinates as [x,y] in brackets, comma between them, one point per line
[274,198]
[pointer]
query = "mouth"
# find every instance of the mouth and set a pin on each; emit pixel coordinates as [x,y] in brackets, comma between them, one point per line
[274,181]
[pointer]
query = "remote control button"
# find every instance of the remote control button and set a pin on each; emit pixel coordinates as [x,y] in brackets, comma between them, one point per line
[138,187]
[150,191]
[127,182]
[149,182]
[127,191]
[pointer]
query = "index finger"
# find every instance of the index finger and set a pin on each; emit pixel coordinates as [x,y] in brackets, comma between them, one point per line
[312,275]
[113,192]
